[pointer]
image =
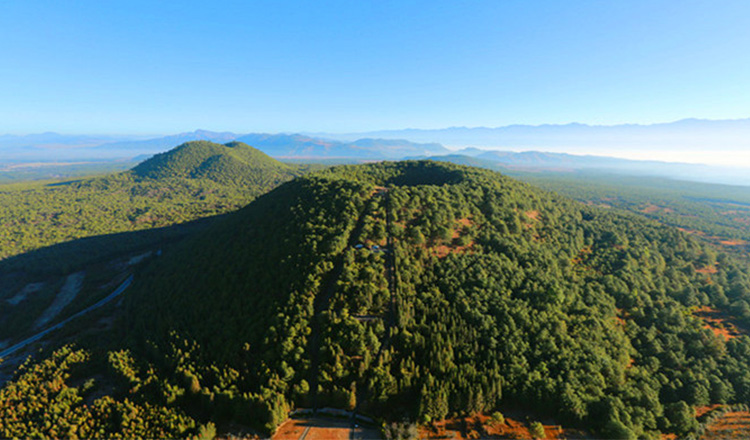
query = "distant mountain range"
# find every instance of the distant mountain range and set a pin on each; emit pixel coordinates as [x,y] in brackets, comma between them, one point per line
[552,145]
[686,133]
[53,146]
[536,161]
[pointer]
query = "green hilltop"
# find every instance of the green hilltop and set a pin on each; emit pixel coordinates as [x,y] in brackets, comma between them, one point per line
[234,163]
[194,180]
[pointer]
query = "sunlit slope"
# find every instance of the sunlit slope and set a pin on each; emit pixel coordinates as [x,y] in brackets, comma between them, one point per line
[193,180]
[502,295]
[233,163]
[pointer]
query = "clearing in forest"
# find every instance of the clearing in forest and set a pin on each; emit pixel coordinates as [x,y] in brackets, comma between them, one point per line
[320,428]
[718,322]
[732,425]
[484,426]
[462,228]
[69,290]
[20,296]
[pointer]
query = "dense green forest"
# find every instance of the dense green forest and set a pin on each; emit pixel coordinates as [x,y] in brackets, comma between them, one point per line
[51,230]
[719,214]
[412,290]
[196,179]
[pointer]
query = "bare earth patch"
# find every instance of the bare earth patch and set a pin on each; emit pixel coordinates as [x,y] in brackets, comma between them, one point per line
[732,425]
[701,410]
[718,322]
[20,296]
[483,426]
[692,231]
[69,290]
[451,247]
[707,270]
[320,428]
[533,215]
[733,242]
[465,222]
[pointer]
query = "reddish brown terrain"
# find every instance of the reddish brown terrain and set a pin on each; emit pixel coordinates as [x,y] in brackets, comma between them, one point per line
[732,425]
[323,428]
[707,270]
[463,227]
[718,322]
[483,426]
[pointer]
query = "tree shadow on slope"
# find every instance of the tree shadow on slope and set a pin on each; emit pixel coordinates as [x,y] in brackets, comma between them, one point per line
[63,258]
[29,282]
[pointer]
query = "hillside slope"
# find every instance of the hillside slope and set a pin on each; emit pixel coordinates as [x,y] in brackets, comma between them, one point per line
[491,294]
[234,163]
[193,180]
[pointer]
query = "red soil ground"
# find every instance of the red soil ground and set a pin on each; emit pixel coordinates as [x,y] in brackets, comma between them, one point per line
[733,242]
[707,270]
[462,227]
[732,425]
[323,429]
[701,410]
[533,215]
[482,426]
[718,322]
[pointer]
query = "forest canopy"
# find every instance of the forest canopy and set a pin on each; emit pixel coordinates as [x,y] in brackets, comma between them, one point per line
[419,290]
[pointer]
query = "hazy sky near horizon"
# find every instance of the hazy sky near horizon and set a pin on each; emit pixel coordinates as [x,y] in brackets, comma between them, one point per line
[145,67]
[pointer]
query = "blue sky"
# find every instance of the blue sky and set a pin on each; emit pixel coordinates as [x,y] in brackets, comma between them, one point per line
[162,67]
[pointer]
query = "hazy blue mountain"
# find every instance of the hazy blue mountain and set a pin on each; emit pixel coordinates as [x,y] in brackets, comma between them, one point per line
[157,145]
[50,146]
[301,146]
[687,133]
[565,163]
[550,146]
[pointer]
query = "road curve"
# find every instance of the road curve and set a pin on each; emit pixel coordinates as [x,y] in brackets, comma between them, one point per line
[121,288]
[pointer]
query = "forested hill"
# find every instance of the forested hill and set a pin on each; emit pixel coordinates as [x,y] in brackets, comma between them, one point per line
[233,163]
[194,180]
[412,290]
